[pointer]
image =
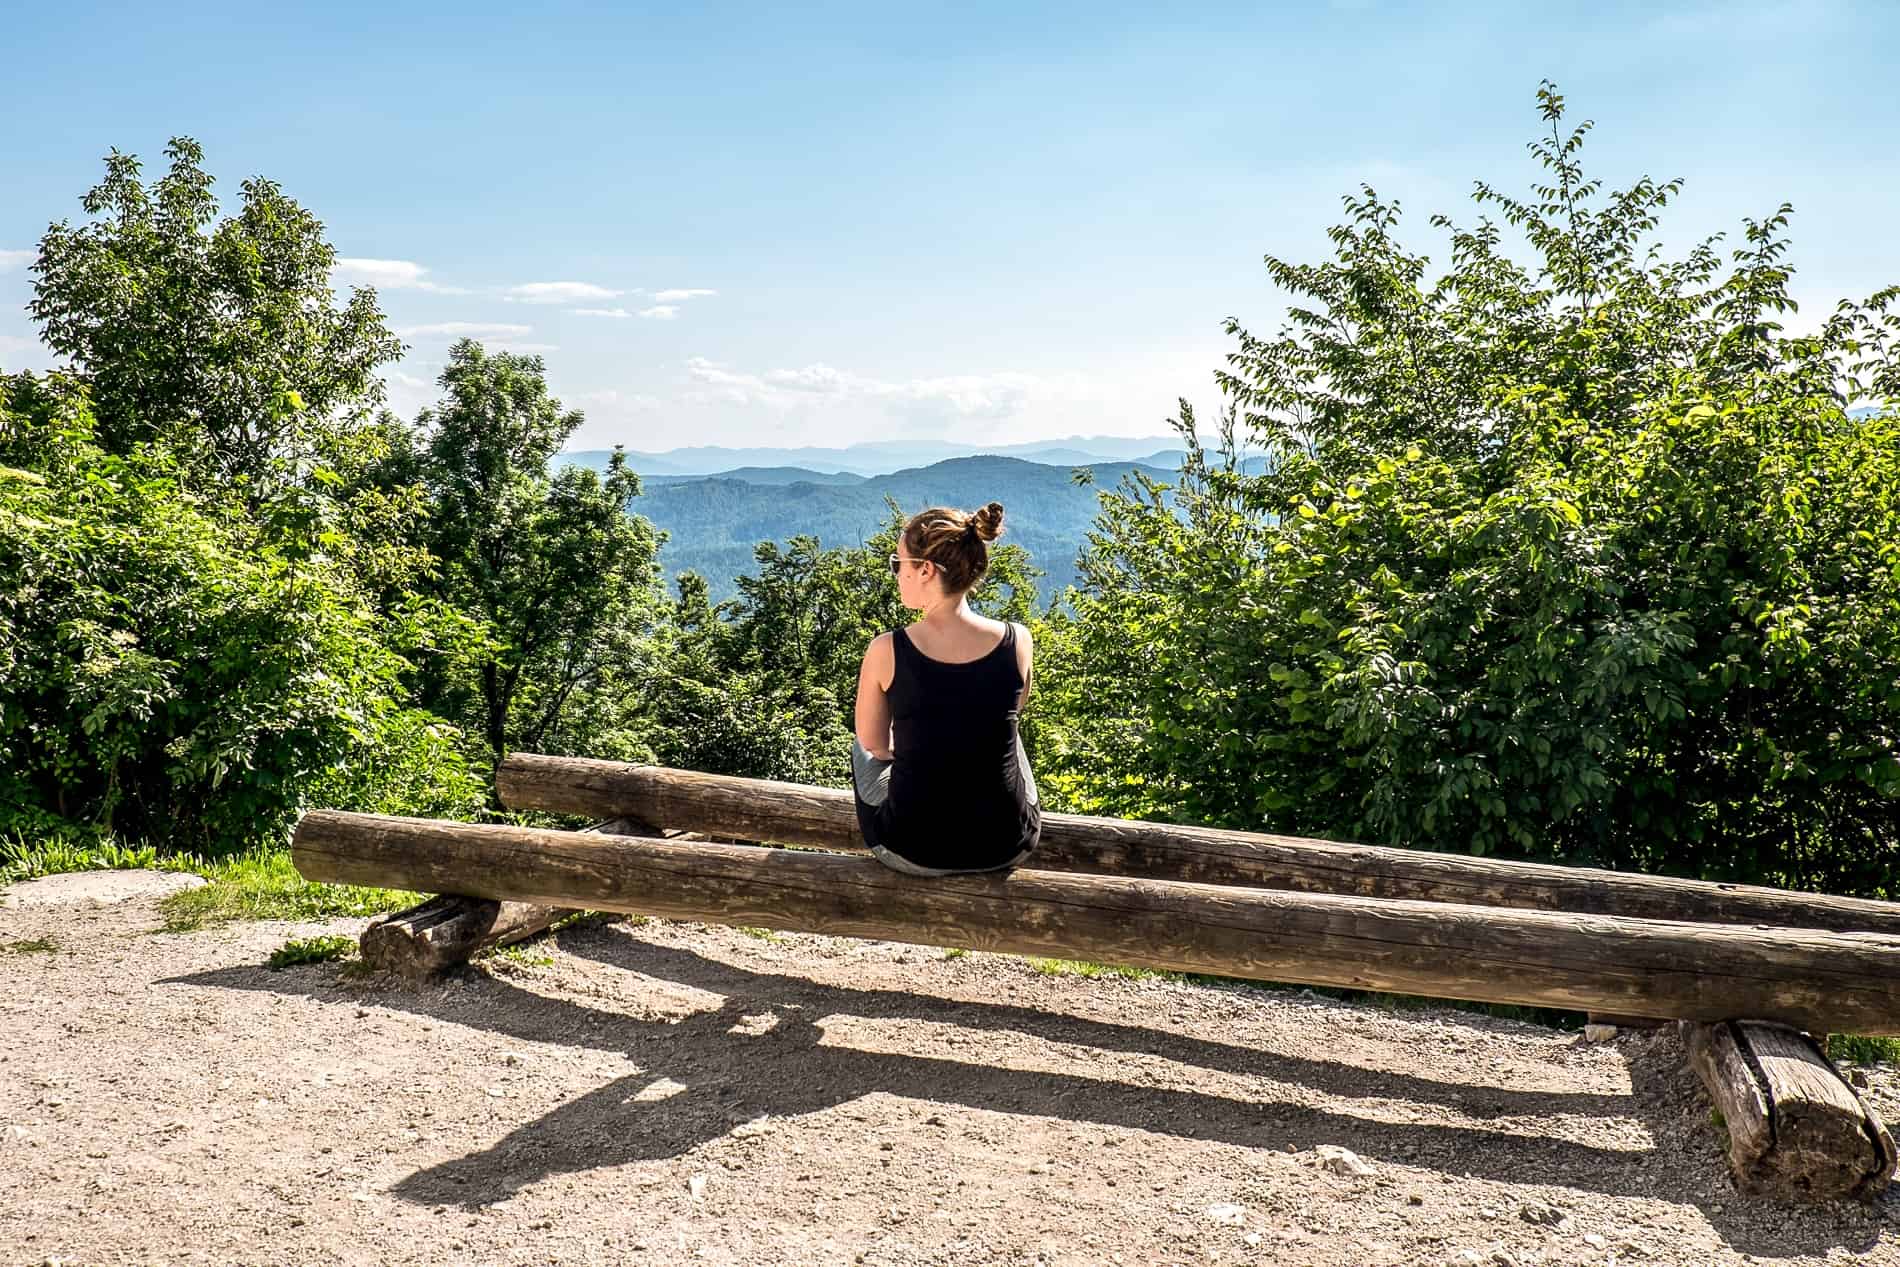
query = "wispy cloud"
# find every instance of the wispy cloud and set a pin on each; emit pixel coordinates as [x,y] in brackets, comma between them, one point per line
[615,401]
[560,292]
[10,260]
[524,349]
[465,330]
[389,275]
[24,352]
[408,275]
[969,396]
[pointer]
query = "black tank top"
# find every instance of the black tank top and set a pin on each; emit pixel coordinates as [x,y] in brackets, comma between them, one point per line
[960,794]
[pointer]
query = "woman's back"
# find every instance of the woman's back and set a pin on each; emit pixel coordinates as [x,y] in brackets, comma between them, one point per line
[942,782]
[960,794]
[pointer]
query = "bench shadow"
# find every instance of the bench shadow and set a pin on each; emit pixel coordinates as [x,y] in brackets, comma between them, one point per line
[734,1069]
[715,976]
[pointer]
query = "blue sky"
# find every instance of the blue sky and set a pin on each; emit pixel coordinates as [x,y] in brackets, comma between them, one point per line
[989,222]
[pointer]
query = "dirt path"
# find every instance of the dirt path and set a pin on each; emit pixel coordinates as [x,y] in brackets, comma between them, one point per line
[671,1093]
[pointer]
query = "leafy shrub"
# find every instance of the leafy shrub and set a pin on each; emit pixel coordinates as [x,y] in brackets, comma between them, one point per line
[1582,561]
[168,672]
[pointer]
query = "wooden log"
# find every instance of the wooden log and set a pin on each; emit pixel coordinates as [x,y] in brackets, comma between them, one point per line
[1795,1128]
[1813,979]
[793,814]
[426,941]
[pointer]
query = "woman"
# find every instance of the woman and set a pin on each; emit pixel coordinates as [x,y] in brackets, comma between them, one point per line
[942,784]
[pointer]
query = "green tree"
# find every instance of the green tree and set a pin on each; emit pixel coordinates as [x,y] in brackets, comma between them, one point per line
[1583,560]
[166,677]
[221,338]
[559,572]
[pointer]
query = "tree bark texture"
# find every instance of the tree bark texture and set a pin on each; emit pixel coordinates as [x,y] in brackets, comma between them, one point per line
[426,941]
[1811,979]
[1795,1128]
[793,814]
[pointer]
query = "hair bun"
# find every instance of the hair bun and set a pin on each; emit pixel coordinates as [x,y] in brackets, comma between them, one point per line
[987,523]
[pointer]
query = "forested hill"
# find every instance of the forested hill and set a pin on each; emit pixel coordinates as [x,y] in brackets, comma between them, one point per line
[713,524]
[755,475]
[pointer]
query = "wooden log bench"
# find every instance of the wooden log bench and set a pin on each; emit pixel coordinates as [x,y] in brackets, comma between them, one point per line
[431,939]
[1628,949]
[1809,978]
[794,814]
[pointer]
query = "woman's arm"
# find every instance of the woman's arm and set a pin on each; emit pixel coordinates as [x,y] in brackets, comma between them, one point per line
[1025,662]
[874,709]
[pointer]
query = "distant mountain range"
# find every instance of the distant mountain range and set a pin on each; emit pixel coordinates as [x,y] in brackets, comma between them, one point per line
[879,456]
[717,517]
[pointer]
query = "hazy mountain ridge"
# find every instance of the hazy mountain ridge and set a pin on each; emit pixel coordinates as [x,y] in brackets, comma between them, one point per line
[876,457]
[768,475]
[717,518]
[714,523]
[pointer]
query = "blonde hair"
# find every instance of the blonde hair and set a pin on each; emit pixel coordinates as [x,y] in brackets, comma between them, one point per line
[958,543]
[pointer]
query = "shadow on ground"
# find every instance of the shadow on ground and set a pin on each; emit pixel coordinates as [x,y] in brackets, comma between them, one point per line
[732,1073]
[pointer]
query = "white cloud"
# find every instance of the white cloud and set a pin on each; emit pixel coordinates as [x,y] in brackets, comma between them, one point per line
[616,313]
[10,260]
[613,401]
[522,349]
[389,275]
[660,312]
[24,352]
[560,292]
[675,296]
[465,330]
[968,396]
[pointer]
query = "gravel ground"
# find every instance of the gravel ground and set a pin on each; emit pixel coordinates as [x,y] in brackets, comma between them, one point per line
[676,1093]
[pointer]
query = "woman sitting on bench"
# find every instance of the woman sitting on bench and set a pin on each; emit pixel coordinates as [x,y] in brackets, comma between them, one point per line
[943,786]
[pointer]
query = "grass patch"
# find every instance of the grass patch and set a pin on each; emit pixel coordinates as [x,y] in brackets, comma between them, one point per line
[38,946]
[1083,968]
[954,952]
[595,919]
[310,950]
[763,934]
[526,954]
[1859,1049]
[29,860]
[263,885]
[260,884]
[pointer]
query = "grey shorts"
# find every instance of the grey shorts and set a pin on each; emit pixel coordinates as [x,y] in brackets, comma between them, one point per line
[871,777]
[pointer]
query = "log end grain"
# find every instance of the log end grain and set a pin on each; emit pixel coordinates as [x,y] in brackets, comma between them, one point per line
[426,941]
[1796,1129]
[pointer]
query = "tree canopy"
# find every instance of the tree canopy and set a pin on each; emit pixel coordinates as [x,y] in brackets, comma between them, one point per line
[221,337]
[1586,559]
